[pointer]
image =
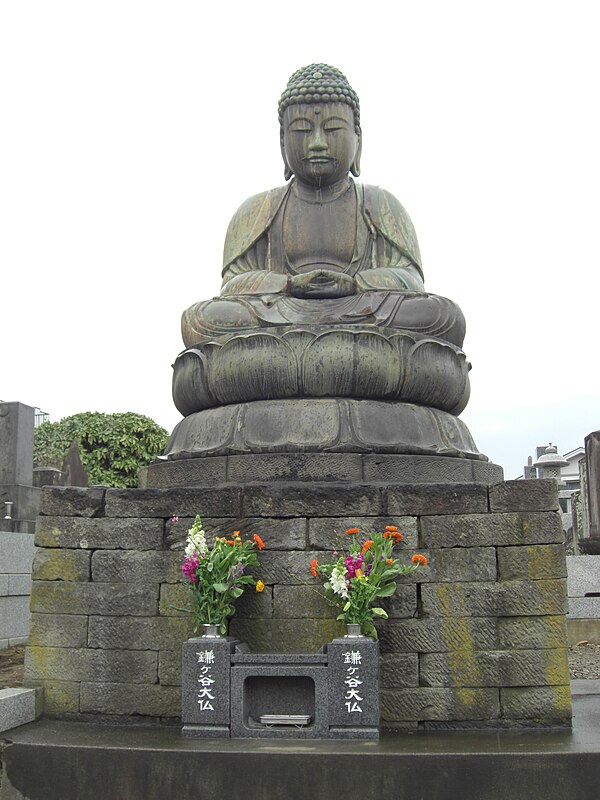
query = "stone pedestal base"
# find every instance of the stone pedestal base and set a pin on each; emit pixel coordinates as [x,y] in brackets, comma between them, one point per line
[476,639]
[329,425]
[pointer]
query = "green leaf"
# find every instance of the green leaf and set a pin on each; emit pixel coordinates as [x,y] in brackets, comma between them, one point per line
[221,588]
[380,612]
[387,590]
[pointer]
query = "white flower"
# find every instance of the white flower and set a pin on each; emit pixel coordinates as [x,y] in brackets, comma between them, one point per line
[196,543]
[338,581]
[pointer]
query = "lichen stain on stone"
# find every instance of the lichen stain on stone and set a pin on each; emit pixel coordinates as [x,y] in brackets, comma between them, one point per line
[562,699]
[462,663]
[556,667]
[540,563]
[466,698]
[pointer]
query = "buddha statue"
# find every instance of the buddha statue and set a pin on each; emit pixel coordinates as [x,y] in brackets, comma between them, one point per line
[322,309]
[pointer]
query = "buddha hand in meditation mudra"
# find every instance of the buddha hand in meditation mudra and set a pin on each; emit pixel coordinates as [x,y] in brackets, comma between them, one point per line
[323,337]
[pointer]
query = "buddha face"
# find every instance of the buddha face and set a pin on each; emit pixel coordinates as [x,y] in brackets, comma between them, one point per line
[320,144]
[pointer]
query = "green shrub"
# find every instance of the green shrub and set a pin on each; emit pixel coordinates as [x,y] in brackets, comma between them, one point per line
[112,447]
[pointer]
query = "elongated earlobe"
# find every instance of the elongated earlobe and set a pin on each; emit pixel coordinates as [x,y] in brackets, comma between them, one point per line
[355,168]
[287,173]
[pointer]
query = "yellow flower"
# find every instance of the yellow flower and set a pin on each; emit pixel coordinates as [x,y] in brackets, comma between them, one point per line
[259,586]
[359,573]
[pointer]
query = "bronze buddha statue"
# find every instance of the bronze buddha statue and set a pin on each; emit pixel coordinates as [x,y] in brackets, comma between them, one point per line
[322,297]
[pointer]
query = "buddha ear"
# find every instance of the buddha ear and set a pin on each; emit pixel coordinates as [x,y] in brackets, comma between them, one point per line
[287,172]
[355,168]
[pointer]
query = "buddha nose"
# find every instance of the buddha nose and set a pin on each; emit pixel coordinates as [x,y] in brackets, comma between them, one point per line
[317,141]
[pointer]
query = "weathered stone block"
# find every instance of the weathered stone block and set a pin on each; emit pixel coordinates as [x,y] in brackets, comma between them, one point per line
[494,668]
[533,562]
[208,501]
[139,633]
[278,534]
[473,530]
[285,635]
[532,495]
[429,469]
[403,603]
[436,499]
[523,633]
[125,565]
[295,467]
[301,500]
[460,564]
[72,664]
[537,703]
[425,703]
[251,605]
[60,697]
[99,533]
[169,667]
[302,601]
[438,635]
[61,565]
[184,472]
[131,699]
[286,567]
[58,630]
[72,501]
[508,599]
[399,670]
[325,533]
[62,597]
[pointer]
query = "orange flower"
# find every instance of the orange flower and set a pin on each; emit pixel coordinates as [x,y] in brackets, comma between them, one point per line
[352,531]
[366,545]
[389,561]
[397,537]
[391,528]
[230,541]
[236,534]
[258,541]
[313,567]
[386,535]
[419,560]
[259,586]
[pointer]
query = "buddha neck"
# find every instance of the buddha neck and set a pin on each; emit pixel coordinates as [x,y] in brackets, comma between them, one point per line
[309,193]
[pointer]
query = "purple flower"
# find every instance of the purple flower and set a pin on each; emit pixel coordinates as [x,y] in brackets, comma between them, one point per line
[174,519]
[189,567]
[352,564]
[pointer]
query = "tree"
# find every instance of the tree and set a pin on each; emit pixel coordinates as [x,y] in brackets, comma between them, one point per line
[112,447]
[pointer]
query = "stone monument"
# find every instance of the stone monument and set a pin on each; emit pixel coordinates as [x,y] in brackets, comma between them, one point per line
[320,391]
[323,338]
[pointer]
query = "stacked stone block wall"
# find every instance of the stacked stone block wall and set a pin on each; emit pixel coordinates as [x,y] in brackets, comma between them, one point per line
[475,639]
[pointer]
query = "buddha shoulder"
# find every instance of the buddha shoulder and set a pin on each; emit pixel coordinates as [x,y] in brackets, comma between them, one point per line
[250,222]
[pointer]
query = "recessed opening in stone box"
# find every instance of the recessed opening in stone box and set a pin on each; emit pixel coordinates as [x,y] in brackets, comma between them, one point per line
[278,694]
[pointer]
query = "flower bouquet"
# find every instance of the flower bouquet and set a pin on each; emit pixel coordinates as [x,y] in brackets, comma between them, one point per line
[217,576]
[363,575]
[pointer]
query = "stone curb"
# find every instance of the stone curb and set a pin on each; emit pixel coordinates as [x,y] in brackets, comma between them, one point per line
[17,707]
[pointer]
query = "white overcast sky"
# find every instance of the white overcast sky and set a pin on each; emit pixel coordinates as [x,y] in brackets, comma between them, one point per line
[131,131]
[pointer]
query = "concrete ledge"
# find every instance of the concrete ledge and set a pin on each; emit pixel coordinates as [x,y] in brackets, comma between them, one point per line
[67,761]
[17,707]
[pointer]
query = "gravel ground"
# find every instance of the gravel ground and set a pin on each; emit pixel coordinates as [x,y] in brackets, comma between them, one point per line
[584,663]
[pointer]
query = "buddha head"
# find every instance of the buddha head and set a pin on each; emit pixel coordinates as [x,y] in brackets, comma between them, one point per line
[319,117]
